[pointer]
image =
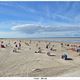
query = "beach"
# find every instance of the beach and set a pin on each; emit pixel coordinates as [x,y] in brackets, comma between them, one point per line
[39,58]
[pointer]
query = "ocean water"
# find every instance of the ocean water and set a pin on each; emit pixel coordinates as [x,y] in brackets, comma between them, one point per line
[58,39]
[73,40]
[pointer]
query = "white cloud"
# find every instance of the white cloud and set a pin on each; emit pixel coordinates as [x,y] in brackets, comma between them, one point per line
[64,17]
[44,32]
[26,8]
[37,28]
[12,34]
[28,28]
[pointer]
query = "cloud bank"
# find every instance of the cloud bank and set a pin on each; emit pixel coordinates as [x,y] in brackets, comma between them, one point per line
[37,28]
[28,28]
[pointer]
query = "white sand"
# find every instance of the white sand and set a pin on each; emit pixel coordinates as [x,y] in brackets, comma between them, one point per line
[30,64]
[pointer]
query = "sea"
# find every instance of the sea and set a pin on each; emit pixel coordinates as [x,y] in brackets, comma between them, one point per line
[54,39]
[59,39]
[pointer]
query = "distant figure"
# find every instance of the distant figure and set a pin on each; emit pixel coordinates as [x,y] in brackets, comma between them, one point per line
[52,49]
[40,51]
[14,50]
[19,47]
[61,44]
[47,46]
[64,56]
[67,44]
[27,44]
[78,50]
[2,45]
[15,47]
[14,42]
[48,53]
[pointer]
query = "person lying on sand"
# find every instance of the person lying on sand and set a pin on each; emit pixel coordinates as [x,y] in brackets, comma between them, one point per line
[65,57]
[52,49]
[49,54]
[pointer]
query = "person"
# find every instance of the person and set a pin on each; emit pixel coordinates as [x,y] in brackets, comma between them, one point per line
[64,56]
[61,44]
[15,44]
[2,44]
[14,50]
[15,47]
[19,47]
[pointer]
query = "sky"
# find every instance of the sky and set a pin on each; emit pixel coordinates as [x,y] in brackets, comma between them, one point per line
[39,19]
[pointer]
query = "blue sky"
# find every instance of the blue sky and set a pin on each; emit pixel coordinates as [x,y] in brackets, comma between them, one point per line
[39,19]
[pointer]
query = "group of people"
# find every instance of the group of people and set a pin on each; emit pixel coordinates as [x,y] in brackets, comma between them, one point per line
[16,45]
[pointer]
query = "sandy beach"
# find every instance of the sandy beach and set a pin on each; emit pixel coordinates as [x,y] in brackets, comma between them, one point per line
[38,58]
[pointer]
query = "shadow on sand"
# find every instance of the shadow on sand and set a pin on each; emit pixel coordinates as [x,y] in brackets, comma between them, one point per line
[69,59]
